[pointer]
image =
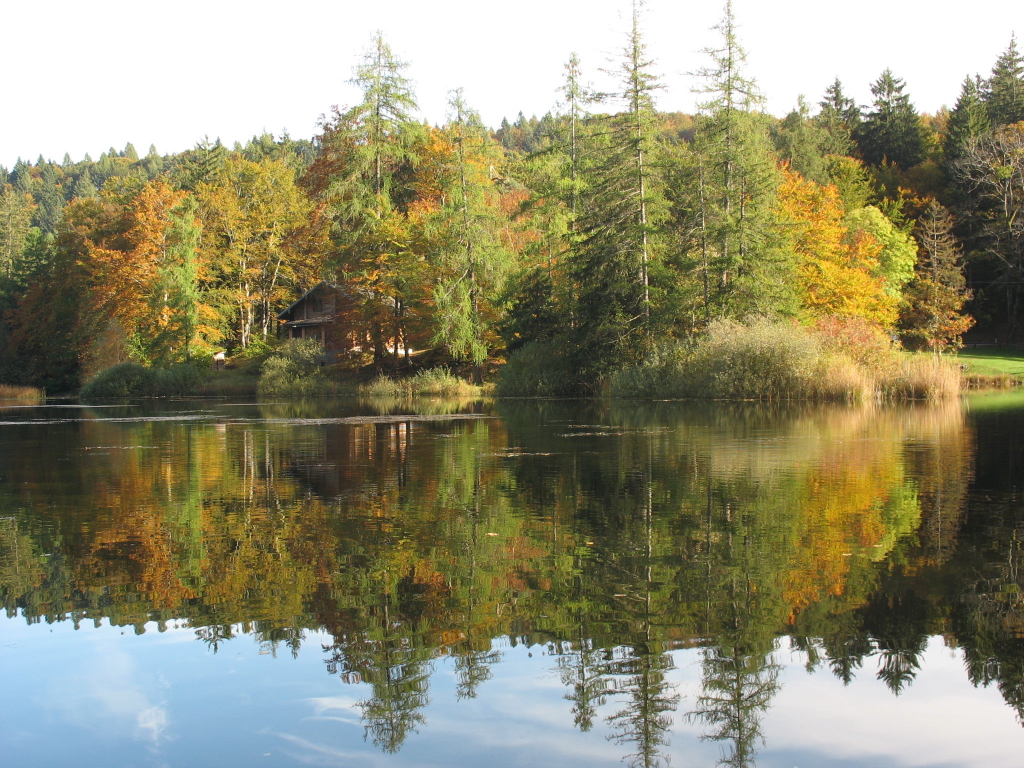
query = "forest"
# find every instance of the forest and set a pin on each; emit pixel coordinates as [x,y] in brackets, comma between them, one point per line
[584,242]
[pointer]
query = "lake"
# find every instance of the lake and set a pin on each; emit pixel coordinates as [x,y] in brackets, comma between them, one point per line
[512,583]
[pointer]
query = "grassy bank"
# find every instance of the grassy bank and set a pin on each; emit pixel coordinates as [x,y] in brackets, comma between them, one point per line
[992,367]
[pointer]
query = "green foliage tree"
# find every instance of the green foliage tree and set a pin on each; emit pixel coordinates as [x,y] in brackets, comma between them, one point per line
[732,178]
[804,143]
[15,228]
[992,173]
[364,177]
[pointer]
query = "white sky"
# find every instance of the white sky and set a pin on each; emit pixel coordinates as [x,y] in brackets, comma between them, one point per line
[84,75]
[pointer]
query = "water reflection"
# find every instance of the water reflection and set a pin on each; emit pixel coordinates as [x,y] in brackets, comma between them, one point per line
[609,534]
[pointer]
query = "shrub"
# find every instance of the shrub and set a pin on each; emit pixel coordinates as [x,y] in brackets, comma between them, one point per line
[538,369]
[294,371]
[134,380]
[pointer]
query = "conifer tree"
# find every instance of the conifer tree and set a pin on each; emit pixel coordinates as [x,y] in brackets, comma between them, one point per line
[471,260]
[363,176]
[968,120]
[992,173]
[733,178]
[803,143]
[1004,90]
[840,117]
[617,251]
[934,300]
[15,225]
[890,131]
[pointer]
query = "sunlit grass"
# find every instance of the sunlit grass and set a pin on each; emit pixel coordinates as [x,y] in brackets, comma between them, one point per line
[13,392]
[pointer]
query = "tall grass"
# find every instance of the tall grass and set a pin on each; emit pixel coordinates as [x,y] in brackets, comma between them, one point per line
[134,380]
[772,360]
[435,381]
[14,392]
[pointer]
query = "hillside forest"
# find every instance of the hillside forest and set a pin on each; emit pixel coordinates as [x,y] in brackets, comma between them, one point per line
[598,233]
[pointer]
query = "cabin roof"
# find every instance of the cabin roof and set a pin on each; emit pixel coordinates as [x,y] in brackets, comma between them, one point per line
[303,297]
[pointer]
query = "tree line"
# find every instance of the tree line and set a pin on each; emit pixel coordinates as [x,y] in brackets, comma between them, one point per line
[595,234]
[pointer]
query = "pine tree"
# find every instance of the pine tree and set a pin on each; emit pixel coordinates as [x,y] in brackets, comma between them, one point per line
[1004,90]
[968,120]
[891,131]
[935,299]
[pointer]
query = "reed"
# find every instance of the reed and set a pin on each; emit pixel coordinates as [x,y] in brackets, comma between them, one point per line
[435,381]
[774,361]
[15,392]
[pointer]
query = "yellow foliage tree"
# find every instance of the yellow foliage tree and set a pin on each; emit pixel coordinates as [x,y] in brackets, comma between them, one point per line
[839,271]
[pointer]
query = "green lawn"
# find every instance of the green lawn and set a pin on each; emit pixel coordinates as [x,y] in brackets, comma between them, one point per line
[992,361]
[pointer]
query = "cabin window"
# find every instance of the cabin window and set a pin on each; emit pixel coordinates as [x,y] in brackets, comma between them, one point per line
[318,304]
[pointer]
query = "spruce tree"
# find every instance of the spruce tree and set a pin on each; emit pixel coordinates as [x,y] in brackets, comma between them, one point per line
[15,225]
[891,131]
[840,117]
[803,143]
[968,120]
[1004,91]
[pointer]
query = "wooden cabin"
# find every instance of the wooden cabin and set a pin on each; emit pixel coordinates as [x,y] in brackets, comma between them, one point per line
[324,312]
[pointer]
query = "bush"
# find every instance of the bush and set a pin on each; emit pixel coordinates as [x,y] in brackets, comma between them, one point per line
[294,371]
[538,369]
[134,380]
[436,381]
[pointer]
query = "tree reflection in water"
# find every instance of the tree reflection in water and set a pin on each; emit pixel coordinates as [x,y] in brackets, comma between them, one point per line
[612,535]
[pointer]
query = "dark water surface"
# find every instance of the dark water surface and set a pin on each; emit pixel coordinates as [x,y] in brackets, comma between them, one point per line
[203,583]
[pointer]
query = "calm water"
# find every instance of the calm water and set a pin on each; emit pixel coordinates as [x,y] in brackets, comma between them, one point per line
[512,584]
